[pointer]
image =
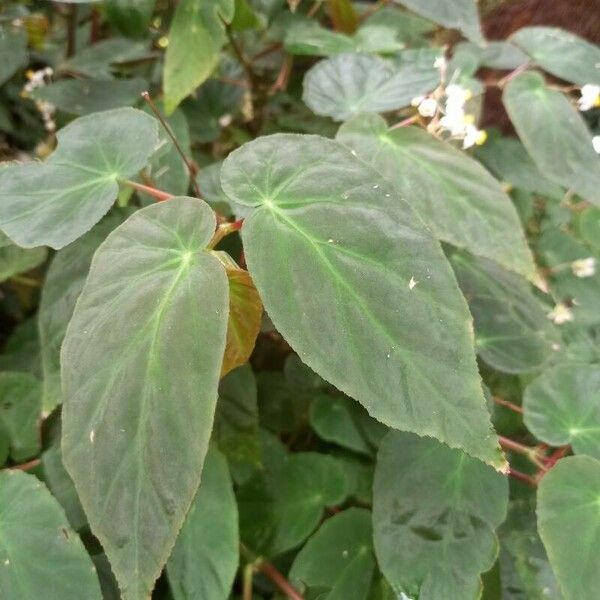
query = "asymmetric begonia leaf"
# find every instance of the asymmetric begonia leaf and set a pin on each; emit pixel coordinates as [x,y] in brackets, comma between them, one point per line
[434,514]
[281,505]
[562,406]
[508,160]
[512,331]
[337,561]
[63,284]
[195,39]
[453,194]
[85,96]
[349,84]
[554,134]
[140,367]
[455,14]
[40,555]
[55,202]
[205,557]
[385,323]
[561,53]
[567,510]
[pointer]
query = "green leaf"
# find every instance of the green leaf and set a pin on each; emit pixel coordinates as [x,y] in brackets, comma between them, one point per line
[508,160]
[554,134]
[40,555]
[20,407]
[15,260]
[561,53]
[282,505]
[64,281]
[453,194]
[349,307]
[561,407]
[567,511]
[13,49]
[22,350]
[61,485]
[100,59]
[138,404]
[340,420]
[309,38]
[434,514]
[85,96]
[589,227]
[512,331]
[55,202]
[349,84]
[236,429]
[455,14]
[195,40]
[526,572]
[205,558]
[131,17]
[338,559]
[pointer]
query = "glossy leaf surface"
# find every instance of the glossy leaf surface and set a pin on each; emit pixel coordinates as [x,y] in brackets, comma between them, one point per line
[138,403]
[351,308]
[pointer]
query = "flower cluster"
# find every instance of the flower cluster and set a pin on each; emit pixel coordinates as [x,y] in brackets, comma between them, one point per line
[37,79]
[590,97]
[584,267]
[454,119]
[561,314]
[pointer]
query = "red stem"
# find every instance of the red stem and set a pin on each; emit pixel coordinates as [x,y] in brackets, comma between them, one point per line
[279,580]
[151,191]
[522,477]
[509,405]
[32,464]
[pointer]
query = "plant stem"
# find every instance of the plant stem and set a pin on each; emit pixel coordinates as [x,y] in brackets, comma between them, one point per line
[247,582]
[71,29]
[238,53]
[32,464]
[531,453]
[522,477]
[151,191]
[509,405]
[405,122]
[266,568]
[191,167]
[269,570]
[223,230]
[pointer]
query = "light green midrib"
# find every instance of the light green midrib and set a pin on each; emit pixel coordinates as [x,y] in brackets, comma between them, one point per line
[366,310]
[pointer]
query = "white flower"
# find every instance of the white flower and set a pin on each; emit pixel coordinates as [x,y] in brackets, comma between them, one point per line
[455,122]
[417,100]
[473,136]
[428,107]
[440,63]
[584,267]
[456,96]
[596,143]
[560,314]
[225,120]
[590,97]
